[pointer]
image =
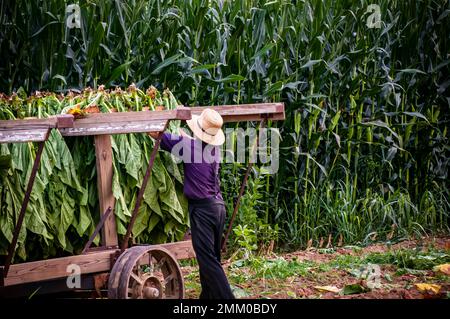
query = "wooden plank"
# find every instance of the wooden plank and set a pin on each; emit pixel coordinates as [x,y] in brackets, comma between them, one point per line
[103,128]
[182,113]
[92,262]
[50,122]
[246,112]
[57,267]
[31,130]
[103,153]
[180,249]
[23,135]
[65,120]
[124,122]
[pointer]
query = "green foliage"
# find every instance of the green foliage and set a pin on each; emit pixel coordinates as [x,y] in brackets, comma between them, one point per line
[63,210]
[365,141]
[245,240]
[411,259]
[404,261]
[252,231]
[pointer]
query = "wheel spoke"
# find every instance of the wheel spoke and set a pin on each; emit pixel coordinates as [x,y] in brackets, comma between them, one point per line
[144,268]
[150,261]
[168,279]
[161,263]
[136,278]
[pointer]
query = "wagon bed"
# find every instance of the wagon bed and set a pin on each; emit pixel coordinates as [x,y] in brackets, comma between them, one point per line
[117,267]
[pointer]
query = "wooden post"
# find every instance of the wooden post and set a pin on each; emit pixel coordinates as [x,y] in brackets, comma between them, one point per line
[103,153]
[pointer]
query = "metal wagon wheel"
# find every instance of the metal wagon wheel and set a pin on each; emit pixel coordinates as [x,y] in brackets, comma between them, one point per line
[146,272]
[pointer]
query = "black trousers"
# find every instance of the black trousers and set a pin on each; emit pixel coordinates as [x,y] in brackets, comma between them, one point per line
[207,218]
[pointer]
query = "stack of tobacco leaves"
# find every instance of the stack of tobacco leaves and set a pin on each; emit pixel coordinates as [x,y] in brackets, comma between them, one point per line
[64,209]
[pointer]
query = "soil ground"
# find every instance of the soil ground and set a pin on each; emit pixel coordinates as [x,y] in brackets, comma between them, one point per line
[311,273]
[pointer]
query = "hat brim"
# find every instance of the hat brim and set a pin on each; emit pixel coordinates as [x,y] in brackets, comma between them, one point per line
[215,140]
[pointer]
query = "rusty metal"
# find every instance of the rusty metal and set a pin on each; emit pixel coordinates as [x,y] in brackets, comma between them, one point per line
[140,195]
[146,272]
[241,193]
[23,210]
[97,229]
[100,282]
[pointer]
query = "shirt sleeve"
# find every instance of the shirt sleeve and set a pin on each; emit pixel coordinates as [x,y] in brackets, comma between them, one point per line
[168,141]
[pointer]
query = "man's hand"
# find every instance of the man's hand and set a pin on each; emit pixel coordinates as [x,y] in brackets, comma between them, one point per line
[154,135]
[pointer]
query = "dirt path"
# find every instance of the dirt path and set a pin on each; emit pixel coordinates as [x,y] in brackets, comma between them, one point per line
[312,273]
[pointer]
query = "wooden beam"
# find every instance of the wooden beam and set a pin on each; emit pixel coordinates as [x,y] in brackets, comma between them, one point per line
[124,122]
[246,112]
[57,267]
[50,122]
[92,262]
[103,153]
[180,249]
[31,130]
[103,128]
[23,135]
[64,121]
[183,113]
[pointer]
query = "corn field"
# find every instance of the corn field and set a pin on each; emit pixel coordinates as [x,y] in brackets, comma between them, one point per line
[364,151]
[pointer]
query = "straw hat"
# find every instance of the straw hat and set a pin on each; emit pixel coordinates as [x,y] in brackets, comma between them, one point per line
[208,127]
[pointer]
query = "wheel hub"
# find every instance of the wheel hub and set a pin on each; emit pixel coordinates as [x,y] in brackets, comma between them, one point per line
[152,288]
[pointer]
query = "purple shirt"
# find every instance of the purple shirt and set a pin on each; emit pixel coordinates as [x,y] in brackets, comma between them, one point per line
[201,165]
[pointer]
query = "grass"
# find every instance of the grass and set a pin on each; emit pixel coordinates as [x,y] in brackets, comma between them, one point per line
[411,259]
[364,151]
[269,276]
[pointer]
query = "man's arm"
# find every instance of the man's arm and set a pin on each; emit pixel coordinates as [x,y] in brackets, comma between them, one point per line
[168,141]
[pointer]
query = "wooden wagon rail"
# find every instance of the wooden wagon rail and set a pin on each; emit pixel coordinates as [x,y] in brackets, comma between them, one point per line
[94,262]
[32,130]
[124,122]
[246,112]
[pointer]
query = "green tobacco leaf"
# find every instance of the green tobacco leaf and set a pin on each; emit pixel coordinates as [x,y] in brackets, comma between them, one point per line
[64,217]
[134,158]
[5,161]
[154,220]
[141,220]
[172,167]
[353,289]
[85,220]
[151,196]
[121,209]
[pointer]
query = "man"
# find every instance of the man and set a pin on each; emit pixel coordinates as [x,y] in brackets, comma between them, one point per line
[201,159]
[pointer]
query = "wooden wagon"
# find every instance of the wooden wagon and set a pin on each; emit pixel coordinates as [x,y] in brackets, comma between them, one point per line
[140,271]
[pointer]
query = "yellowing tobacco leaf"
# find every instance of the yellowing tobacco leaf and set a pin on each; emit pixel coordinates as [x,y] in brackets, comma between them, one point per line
[433,288]
[444,268]
[76,112]
[328,288]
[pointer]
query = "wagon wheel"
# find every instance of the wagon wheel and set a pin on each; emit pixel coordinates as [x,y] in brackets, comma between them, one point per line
[146,272]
